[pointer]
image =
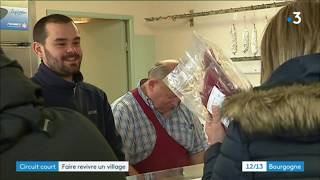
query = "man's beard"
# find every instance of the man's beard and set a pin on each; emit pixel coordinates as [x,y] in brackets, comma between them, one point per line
[58,66]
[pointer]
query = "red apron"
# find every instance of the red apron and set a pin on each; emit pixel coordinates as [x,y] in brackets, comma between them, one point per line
[167,153]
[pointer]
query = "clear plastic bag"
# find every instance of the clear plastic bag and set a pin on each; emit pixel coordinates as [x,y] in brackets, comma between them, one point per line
[203,77]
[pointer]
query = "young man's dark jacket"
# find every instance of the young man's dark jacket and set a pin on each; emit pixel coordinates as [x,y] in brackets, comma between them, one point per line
[278,121]
[30,132]
[82,97]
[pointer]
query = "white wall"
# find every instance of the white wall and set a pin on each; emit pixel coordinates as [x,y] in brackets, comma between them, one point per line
[133,8]
[173,38]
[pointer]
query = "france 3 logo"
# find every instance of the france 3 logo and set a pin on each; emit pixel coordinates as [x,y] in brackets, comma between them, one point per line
[297,18]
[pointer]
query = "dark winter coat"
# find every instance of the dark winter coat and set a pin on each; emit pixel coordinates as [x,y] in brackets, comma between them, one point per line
[29,132]
[279,121]
[82,97]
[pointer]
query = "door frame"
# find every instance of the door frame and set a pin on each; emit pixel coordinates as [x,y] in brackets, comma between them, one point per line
[129,33]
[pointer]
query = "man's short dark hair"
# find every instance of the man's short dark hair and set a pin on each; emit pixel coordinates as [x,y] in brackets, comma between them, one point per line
[39,30]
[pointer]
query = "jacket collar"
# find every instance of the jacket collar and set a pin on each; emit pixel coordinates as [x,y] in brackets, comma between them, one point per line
[288,102]
[301,70]
[50,78]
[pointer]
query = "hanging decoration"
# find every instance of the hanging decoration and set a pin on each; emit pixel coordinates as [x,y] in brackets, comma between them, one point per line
[245,36]
[234,43]
[254,37]
[234,46]
[254,41]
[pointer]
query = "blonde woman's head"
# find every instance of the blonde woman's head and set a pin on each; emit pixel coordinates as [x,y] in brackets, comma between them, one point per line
[283,40]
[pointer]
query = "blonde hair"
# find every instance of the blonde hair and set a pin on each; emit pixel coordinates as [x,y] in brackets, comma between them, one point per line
[162,68]
[283,41]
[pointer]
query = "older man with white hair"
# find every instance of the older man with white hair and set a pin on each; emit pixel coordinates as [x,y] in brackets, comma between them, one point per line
[157,131]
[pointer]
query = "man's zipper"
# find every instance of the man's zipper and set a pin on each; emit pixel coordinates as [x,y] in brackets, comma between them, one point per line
[74,90]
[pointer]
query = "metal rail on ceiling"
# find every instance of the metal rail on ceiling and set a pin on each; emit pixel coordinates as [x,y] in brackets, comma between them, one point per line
[193,14]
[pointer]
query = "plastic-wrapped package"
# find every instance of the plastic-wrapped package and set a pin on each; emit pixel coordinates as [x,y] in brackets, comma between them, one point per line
[203,77]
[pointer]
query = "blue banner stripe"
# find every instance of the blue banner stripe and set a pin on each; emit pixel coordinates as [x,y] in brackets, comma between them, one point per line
[37,166]
[285,166]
